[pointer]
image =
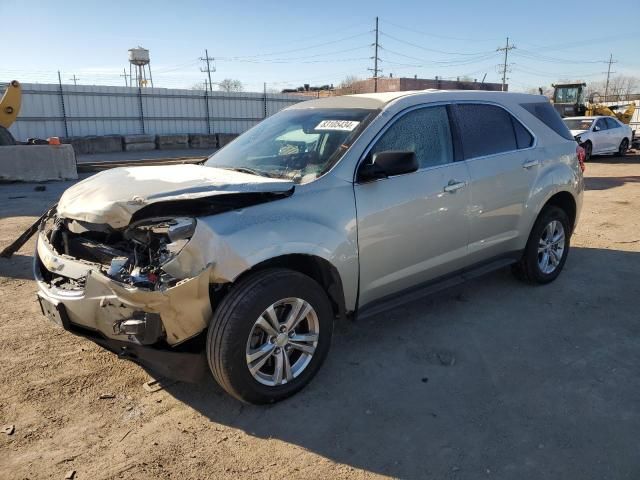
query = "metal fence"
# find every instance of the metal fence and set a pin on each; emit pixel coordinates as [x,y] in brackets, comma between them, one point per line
[69,111]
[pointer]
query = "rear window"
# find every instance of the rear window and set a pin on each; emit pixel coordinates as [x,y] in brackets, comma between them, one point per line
[545,112]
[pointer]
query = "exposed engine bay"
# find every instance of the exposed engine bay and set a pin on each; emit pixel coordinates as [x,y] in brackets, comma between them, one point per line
[132,256]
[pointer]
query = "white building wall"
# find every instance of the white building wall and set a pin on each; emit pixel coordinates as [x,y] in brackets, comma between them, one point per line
[102,110]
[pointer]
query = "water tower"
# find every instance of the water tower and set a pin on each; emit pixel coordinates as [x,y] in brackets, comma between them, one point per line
[140,63]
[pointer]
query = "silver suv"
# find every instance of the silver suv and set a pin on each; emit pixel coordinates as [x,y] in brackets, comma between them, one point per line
[329,209]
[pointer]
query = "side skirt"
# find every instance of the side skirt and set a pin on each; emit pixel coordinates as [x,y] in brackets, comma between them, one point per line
[436,285]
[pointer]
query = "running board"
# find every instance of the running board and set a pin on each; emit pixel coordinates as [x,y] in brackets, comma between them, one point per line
[434,286]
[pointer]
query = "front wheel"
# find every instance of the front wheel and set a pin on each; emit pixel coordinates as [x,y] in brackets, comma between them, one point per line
[269,336]
[588,151]
[547,248]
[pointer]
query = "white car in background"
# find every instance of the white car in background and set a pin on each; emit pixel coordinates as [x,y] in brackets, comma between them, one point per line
[600,134]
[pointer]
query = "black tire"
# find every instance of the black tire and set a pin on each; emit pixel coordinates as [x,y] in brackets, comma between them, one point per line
[528,268]
[6,138]
[234,319]
[588,149]
[624,147]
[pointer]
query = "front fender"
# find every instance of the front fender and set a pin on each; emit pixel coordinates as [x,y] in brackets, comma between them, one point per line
[318,222]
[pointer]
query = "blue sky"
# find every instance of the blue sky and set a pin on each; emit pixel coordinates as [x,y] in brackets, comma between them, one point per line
[290,43]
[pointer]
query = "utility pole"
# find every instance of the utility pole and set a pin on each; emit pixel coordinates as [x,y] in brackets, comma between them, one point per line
[208,59]
[376,71]
[125,75]
[609,72]
[74,79]
[505,49]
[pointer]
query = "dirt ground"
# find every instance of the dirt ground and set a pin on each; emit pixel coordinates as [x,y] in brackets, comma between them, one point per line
[492,379]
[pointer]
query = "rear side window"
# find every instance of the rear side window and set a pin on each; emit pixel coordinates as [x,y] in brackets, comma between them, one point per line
[545,112]
[424,131]
[523,138]
[485,130]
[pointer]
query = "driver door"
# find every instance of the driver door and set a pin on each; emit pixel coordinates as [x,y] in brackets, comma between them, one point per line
[601,137]
[413,227]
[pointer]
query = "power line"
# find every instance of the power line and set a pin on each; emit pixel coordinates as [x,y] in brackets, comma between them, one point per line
[430,49]
[505,49]
[301,48]
[609,72]
[208,59]
[375,58]
[441,36]
[544,58]
[125,75]
[465,61]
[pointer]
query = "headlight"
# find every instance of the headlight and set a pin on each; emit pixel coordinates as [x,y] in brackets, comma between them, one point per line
[153,243]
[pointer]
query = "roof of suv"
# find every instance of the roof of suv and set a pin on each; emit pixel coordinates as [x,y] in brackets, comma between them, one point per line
[379,100]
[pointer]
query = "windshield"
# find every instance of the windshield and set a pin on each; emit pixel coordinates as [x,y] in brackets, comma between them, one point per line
[297,145]
[578,123]
[567,95]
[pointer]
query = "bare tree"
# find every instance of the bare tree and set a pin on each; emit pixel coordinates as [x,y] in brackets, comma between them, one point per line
[230,85]
[198,86]
[621,87]
[350,84]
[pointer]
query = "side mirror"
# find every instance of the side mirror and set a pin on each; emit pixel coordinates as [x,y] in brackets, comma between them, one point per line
[596,128]
[387,164]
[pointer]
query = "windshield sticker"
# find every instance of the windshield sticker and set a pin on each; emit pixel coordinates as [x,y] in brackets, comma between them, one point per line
[343,125]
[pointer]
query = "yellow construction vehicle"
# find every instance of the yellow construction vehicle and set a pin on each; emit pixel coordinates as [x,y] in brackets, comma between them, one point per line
[9,110]
[569,100]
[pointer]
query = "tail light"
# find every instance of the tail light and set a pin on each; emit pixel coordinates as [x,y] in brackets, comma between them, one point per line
[582,156]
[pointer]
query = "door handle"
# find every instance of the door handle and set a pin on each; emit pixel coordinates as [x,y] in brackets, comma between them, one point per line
[454,186]
[530,164]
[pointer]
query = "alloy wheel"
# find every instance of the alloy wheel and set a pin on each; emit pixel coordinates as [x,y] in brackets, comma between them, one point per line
[282,341]
[551,247]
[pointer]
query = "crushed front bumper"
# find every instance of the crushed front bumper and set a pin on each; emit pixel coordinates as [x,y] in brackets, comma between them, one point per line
[169,322]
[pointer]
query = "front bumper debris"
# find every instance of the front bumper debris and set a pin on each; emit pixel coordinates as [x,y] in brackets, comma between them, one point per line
[159,329]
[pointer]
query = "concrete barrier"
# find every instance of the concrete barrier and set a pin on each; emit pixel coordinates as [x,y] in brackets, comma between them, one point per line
[37,163]
[224,138]
[138,143]
[172,142]
[138,147]
[139,139]
[200,140]
[89,145]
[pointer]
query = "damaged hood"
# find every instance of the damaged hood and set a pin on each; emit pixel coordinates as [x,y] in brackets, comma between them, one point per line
[577,132]
[113,196]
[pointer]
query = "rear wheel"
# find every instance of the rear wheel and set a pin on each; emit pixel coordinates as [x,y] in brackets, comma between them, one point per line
[547,248]
[624,147]
[269,336]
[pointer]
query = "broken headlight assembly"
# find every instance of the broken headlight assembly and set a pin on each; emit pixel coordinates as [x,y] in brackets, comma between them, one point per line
[152,243]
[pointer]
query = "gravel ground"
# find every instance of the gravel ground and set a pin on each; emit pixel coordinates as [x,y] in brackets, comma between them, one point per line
[491,379]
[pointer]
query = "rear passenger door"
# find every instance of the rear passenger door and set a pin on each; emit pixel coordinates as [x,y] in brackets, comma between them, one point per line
[498,152]
[615,132]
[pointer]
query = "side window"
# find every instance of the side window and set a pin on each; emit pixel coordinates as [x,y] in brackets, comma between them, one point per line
[611,123]
[424,131]
[485,130]
[548,115]
[523,138]
[600,125]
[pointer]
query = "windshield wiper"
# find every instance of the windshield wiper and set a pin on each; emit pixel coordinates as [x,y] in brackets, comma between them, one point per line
[251,171]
